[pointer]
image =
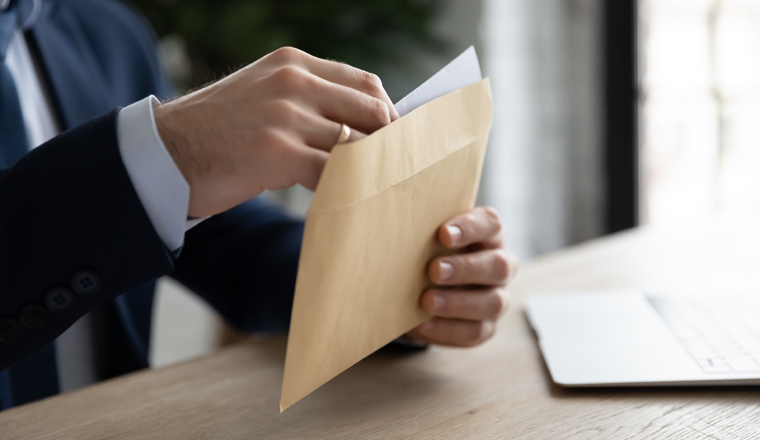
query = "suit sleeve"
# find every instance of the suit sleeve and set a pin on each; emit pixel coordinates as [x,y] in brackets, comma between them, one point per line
[73,235]
[244,263]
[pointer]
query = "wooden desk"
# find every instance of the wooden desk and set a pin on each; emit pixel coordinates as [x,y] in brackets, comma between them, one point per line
[500,390]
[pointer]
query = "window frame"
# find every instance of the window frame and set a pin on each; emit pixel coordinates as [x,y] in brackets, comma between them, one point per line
[621,103]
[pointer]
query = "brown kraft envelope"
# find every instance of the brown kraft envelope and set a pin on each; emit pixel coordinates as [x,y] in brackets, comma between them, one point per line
[371,231]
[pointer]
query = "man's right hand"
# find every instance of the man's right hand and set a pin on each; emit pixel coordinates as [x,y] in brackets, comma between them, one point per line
[269,126]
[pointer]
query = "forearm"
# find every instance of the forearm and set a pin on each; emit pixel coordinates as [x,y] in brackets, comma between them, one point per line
[67,207]
[244,263]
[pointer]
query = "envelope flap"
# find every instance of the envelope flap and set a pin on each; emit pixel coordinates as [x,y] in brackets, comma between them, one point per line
[393,153]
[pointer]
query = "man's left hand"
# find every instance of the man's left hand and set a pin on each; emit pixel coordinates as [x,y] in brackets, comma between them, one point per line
[472,295]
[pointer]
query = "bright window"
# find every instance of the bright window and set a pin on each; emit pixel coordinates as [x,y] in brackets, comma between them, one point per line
[700,109]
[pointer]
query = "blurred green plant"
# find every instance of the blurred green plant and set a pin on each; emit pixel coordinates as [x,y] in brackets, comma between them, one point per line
[223,35]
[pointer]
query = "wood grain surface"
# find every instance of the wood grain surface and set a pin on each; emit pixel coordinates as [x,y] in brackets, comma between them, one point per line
[499,390]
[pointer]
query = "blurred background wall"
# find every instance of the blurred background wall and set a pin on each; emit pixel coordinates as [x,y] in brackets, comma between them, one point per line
[544,166]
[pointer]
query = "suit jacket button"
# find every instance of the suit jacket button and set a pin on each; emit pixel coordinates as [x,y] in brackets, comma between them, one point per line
[58,299]
[34,316]
[85,283]
[10,330]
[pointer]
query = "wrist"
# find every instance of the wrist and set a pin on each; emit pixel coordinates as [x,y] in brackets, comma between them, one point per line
[170,134]
[175,136]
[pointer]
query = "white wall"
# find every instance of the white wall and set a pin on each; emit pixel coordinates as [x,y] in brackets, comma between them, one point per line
[544,169]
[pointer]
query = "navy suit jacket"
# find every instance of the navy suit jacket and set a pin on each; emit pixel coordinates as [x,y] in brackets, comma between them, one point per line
[69,206]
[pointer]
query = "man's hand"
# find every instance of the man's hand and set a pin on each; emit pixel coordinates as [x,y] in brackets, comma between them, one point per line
[268,126]
[467,309]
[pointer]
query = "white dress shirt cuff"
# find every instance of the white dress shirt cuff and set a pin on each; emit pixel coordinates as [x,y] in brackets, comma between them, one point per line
[160,186]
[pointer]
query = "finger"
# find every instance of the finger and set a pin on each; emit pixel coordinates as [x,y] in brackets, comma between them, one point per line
[310,128]
[323,133]
[475,305]
[307,164]
[490,268]
[333,101]
[353,135]
[454,332]
[349,76]
[481,225]
[348,106]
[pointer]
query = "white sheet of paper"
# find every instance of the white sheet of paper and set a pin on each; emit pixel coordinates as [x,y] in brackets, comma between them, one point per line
[462,71]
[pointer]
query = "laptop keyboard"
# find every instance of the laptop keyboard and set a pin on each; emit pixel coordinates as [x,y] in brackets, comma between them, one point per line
[722,333]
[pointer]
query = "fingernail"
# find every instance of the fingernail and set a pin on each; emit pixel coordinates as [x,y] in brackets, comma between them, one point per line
[439,303]
[446,270]
[455,233]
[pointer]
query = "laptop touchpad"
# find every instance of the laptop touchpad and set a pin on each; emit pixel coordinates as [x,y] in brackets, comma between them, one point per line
[606,338]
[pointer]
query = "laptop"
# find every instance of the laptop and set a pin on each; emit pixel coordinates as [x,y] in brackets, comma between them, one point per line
[636,338]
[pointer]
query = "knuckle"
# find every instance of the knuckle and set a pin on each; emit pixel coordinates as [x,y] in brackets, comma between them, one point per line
[286,54]
[283,111]
[379,112]
[468,223]
[499,304]
[501,264]
[493,217]
[481,331]
[370,83]
[290,78]
[492,213]
[469,218]
[272,137]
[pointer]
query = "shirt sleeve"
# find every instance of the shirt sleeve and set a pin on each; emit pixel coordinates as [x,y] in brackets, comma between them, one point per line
[160,186]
